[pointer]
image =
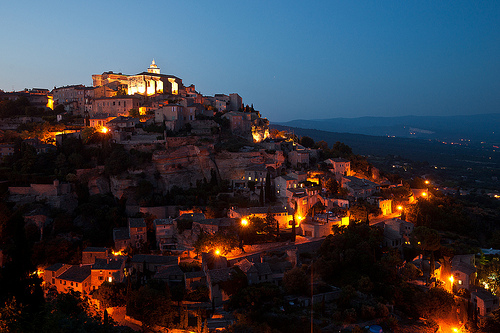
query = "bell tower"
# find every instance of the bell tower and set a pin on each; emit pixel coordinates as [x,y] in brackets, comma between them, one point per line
[153,68]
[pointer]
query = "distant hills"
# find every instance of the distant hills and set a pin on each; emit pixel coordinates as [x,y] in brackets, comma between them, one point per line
[481,127]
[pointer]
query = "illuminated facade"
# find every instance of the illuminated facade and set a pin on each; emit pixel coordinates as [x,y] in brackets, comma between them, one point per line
[146,83]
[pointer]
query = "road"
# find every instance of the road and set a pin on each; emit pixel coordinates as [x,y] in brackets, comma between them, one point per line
[384,218]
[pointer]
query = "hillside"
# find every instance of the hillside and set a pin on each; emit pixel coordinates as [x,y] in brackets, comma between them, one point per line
[483,127]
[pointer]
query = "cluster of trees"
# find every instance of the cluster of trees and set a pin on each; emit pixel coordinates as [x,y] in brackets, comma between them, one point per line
[22,107]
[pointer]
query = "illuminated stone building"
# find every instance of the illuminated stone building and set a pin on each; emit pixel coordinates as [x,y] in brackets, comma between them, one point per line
[116,106]
[108,78]
[152,82]
[146,83]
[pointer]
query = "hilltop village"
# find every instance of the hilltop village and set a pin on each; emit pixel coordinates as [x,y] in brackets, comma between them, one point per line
[161,209]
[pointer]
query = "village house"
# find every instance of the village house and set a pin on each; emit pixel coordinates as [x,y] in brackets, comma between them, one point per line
[282,183]
[107,270]
[240,123]
[57,195]
[331,203]
[100,120]
[116,106]
[385,205]
[52,272]
[321,225]
[396,232]
[484,301]
[213,226]
[76,278]
[121,238]
[194,280]
[299,158]
[303,197]
[359,187]
[463,269]
[280,213]
[256,272]
[137,231]
[123,124]
[90,254]
[172,275]
[216,279]
[6,149]
[152,263]
[164,231]
[340,167]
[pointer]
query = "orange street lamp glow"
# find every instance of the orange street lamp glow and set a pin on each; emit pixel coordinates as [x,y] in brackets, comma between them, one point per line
[104,130]
[424,194]
[451,279]
[427,182]
[455,329]
[400,207]
[244,222]
[217,252]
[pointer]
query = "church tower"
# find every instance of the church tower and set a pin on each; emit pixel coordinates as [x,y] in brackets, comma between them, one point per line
[153,68]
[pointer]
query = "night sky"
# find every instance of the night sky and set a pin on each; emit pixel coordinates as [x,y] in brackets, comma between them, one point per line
[291,59]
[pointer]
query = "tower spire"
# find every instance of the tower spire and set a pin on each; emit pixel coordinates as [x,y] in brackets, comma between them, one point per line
[153,68]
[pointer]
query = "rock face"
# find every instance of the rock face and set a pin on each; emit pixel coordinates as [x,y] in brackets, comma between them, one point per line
[233,165]
[184,166]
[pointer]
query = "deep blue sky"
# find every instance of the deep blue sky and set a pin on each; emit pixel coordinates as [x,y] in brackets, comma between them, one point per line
[291,59]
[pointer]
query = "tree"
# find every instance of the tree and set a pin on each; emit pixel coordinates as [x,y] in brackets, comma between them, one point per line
[296,281]
[427,240]
[307,142]
[111,294]
[437,303]
[133,113]
[271,223]
[332,186]
[151,305]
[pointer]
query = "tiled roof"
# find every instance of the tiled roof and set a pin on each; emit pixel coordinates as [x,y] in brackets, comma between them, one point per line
[54,267]
[136,222]
[263,268]
[192,216]
[167,271]
[95,249]
[220,275]
[155,259]
[194,275]
[163,221]
[76,273]
[464,268]
[104,264]
[245,265]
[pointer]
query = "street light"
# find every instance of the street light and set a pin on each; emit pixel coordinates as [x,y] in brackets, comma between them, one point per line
[244,222]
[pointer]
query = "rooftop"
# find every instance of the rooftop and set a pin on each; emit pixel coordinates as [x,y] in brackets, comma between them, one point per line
[113,264]
[76,273]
